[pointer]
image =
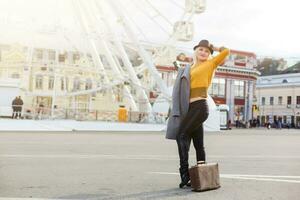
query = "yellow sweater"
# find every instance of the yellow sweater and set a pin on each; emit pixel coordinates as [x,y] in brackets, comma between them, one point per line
[201,74]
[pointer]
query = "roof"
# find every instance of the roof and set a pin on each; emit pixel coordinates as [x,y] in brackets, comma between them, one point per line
[245,53]
[282,80]
[293,69]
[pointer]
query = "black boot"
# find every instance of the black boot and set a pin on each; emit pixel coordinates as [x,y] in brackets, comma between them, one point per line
[183,143]
[189,184]
[185,178]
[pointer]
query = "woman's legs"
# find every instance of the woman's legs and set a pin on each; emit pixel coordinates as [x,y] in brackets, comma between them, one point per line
[198,134]
[183,143]
[194,118]
[199,143]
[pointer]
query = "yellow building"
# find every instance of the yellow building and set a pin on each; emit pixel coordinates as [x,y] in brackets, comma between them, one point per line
[65,84]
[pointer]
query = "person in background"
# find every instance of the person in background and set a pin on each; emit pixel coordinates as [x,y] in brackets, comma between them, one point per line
[40,110]
[19,107]
[14,106]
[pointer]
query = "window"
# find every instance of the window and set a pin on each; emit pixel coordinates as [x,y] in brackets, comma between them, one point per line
[263,101]
[39,82]
[51,83]
[280,100]
[62,83]
[39,54]
[51,55]
[271,100]
[67,83]
[76,57]
[61,58]
[88,84]
[284,119]
[76,84]
[238,88]
[133,91]
[289,100]
[15,75]
[217,87]
[298,100]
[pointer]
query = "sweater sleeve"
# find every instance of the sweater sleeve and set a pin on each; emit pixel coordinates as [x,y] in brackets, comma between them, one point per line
[220,57]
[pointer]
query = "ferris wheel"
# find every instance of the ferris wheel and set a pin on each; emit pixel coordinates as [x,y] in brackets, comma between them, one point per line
[114,29]
[117,18]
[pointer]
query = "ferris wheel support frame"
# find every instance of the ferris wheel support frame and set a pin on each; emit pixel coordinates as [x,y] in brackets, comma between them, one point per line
[111,56]
[125,59]
[108,54]
[95,54]
[142,52]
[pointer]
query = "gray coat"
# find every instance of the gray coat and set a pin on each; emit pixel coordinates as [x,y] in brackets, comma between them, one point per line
[180,102]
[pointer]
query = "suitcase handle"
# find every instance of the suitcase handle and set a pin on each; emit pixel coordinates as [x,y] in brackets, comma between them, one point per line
[201,162]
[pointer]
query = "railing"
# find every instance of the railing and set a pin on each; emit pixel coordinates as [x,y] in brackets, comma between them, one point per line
[40,113]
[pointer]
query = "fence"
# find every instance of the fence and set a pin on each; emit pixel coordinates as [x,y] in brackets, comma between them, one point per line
[40,113]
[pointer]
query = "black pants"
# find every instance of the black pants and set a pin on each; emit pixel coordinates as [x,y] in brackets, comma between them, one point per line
[191,128]
[14,114]
[19,111]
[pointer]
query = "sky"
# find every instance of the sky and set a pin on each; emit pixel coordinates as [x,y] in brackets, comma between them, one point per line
[265,27]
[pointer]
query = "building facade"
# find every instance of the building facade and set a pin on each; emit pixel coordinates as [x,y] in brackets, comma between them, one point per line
[278,98]
[234,84]
[59,81]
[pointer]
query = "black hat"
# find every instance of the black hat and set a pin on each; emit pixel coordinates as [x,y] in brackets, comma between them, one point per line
[205,43]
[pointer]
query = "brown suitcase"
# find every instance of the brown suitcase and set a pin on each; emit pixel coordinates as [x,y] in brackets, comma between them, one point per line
[205,176]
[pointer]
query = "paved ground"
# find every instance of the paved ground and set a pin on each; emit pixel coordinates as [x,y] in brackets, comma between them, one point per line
[254,164]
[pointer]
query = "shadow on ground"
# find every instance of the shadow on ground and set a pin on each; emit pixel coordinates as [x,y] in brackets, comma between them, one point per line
[158,194]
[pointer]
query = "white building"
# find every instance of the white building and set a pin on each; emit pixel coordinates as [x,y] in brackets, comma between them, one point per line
[278,98]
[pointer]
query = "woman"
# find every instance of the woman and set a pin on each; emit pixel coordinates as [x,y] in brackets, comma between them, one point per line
[191,123]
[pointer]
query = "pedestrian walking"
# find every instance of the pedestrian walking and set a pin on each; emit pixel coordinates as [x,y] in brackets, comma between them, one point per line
[190,108]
